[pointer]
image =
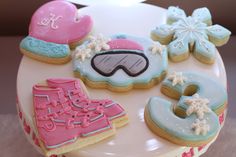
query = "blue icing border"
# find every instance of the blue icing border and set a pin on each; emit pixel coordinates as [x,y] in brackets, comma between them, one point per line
[43,48]
[161,113]
[207,88]
[157,65]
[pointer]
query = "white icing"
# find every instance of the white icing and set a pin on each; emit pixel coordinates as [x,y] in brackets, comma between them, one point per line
[110,105]
[197,105]
[50,21]
[95,45]
[61,144]
[177,78]
[78,17]
[98,43]
[96,131]
[190,28]
[156,48]
[200,127]
[118,115]
[82,53]
[39,95]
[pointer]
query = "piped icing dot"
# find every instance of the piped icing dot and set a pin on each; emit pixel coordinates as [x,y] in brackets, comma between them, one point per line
[200,127]
[177,78]
[197,105]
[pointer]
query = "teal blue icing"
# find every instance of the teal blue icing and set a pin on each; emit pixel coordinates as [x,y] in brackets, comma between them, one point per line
[174,14]
[206,88]
[218,32]
[161,113]
[43,48]
[205,48]
[163,31]
[202,14]
[193,30]
[157,65]
[176,48]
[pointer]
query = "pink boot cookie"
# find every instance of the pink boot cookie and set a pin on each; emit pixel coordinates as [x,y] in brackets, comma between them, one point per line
[61,129]
[80,101]
[54,28]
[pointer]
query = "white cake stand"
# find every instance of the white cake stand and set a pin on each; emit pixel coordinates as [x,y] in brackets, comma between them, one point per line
[134,140]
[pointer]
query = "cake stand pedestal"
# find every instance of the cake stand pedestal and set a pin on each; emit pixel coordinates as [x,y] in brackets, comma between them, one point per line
[135,139]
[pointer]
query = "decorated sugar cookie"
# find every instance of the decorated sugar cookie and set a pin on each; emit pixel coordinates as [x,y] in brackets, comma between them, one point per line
[193,121]
[196,86]
[67,119]
[184,34]
[54,28]
[120,63]
[189,131]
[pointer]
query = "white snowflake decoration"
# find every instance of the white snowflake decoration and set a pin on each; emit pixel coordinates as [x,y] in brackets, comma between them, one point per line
[177,78]
[98,43]
[94,45]
[200,127]
[156,48]
[82,53]
[197,105]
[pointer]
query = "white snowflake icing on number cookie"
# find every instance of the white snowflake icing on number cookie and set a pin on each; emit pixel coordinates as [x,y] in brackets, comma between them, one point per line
[177,78]
[200,127]
[191,34]
[197,105]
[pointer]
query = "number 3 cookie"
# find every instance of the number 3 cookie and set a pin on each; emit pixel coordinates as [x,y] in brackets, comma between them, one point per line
[193,120]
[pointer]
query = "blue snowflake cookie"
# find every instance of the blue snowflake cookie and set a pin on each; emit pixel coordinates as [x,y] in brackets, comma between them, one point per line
[185,34]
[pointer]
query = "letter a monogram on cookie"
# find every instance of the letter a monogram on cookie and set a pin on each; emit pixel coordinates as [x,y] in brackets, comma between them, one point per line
[50,21]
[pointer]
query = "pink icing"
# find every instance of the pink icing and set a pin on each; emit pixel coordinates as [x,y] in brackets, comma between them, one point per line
[58,123]
[58,22]
[124,44]
[73,88]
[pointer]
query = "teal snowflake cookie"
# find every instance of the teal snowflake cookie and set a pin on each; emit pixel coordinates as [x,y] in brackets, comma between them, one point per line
[184,34]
